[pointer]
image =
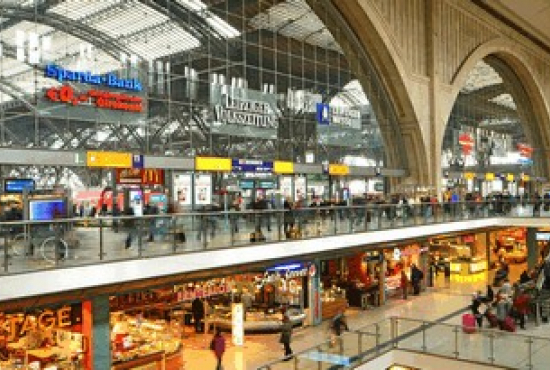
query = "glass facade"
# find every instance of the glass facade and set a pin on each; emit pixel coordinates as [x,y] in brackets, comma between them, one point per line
[241,79]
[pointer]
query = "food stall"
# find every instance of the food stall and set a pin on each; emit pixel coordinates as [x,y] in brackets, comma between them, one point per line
[44,338]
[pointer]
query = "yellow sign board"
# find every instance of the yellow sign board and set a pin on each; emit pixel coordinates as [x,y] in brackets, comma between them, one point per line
[489,176]
[525,177]
[214,164]
[109,159]
[470,175]
[283,167]
[510,177]
[338,169]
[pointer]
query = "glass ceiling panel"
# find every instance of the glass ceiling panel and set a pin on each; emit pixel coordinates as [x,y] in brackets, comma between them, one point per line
[482,75]
[78,10]
[505,100]
[9,35]
[295,19]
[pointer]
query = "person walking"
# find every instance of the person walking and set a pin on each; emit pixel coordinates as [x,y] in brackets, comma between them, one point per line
[416,278]
[503,309]
[476,304]
[286,334]
[404,284]
[217,345]
[197,308]
[339,324]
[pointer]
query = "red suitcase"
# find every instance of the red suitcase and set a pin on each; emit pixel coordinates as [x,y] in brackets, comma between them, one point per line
[509,324]
[468,323]
[492,318]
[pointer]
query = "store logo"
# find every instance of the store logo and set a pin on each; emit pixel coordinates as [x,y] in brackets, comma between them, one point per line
[109,79]
[235,111]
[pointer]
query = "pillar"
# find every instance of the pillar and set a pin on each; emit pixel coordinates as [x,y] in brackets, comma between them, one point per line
[532,248]
[424,263]
[488,249]
[382,280]
[100,342]
[315,308]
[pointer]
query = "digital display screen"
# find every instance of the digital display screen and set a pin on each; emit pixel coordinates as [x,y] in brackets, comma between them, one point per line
[266,185]
[543,236]
[46,210]
[246,184]
[18,185]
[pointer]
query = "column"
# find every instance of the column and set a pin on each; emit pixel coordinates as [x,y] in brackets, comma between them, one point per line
[100,342]
[424,264]
[315,304]
[532,248]
[382,280]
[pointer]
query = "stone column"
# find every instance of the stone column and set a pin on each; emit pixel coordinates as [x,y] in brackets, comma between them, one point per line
[315,304]
[101,333]
[532,248]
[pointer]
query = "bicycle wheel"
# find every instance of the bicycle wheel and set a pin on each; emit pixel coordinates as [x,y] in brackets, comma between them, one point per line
[19,244]
[48,249]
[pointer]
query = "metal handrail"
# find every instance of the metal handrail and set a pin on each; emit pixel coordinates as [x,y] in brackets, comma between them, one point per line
[395,338]
[308,209]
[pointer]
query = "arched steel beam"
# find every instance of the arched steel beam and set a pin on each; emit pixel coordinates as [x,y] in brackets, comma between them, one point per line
[77,29]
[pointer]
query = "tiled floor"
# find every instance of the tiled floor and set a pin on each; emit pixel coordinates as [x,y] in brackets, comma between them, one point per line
[259,349]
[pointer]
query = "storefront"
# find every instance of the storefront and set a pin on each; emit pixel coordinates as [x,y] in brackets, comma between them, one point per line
[510,245]
[402,258]
[56,337]
[465,254]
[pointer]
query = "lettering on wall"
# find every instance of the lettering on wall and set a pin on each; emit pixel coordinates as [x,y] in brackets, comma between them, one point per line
[17,326]
[109,79]
[237,111]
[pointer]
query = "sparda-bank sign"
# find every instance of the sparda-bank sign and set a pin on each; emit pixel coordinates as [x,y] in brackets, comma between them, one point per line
[109,79]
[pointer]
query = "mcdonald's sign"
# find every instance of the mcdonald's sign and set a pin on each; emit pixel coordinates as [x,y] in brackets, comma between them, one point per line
[140,176]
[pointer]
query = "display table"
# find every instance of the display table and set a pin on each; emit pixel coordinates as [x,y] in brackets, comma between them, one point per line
[465,267]
[515,257]
[333,307]
[150,360]
[255,324]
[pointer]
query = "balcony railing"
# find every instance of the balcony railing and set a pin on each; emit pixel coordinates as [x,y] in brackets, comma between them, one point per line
[34,245]
[485,346]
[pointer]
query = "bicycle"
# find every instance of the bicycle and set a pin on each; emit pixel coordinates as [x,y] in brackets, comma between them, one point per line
[21,242]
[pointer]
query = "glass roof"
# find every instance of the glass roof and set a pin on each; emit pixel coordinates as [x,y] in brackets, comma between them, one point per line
[144,32]
[295,19]
[482,75]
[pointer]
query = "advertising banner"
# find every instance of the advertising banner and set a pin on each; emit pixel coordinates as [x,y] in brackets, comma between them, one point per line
[243,112]
[183,191]
[300,190]
[83,95]
[203,190]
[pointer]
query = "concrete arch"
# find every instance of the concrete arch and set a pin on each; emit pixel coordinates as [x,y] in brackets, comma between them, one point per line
[364,39]
[536,115]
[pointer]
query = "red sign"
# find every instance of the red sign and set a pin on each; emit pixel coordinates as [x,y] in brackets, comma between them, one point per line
[98,98]
[139,176]
[467,142]
[525,150]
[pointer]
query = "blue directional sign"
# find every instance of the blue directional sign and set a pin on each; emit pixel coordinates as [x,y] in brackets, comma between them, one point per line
[323,114]
[251,165]
[137,161]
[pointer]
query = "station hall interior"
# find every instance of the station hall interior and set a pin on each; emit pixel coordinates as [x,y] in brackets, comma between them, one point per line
[274,184]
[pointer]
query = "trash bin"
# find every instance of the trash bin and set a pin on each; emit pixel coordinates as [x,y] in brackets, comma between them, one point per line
[365,301]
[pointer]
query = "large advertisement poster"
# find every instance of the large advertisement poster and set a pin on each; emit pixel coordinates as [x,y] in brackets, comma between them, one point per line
[286,186]
[183,191]
[203,190]
[300,189]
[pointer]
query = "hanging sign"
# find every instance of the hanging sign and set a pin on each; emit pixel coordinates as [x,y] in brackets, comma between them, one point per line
[469,175]
[283,167]
[140,176]
[338,170]
[109,159]
[489,176]
[212,164]
[466,142]
[510,177]
[250,165]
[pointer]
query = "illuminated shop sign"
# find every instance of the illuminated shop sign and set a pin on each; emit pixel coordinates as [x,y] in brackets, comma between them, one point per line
[250,165]
[237,111]
[18,325]
[100,99]
[140,176]
[293,270]
[109,79]
[338,116]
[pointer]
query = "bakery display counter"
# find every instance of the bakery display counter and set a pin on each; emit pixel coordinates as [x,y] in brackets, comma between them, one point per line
[145,344]
[257,322]
[468,266]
